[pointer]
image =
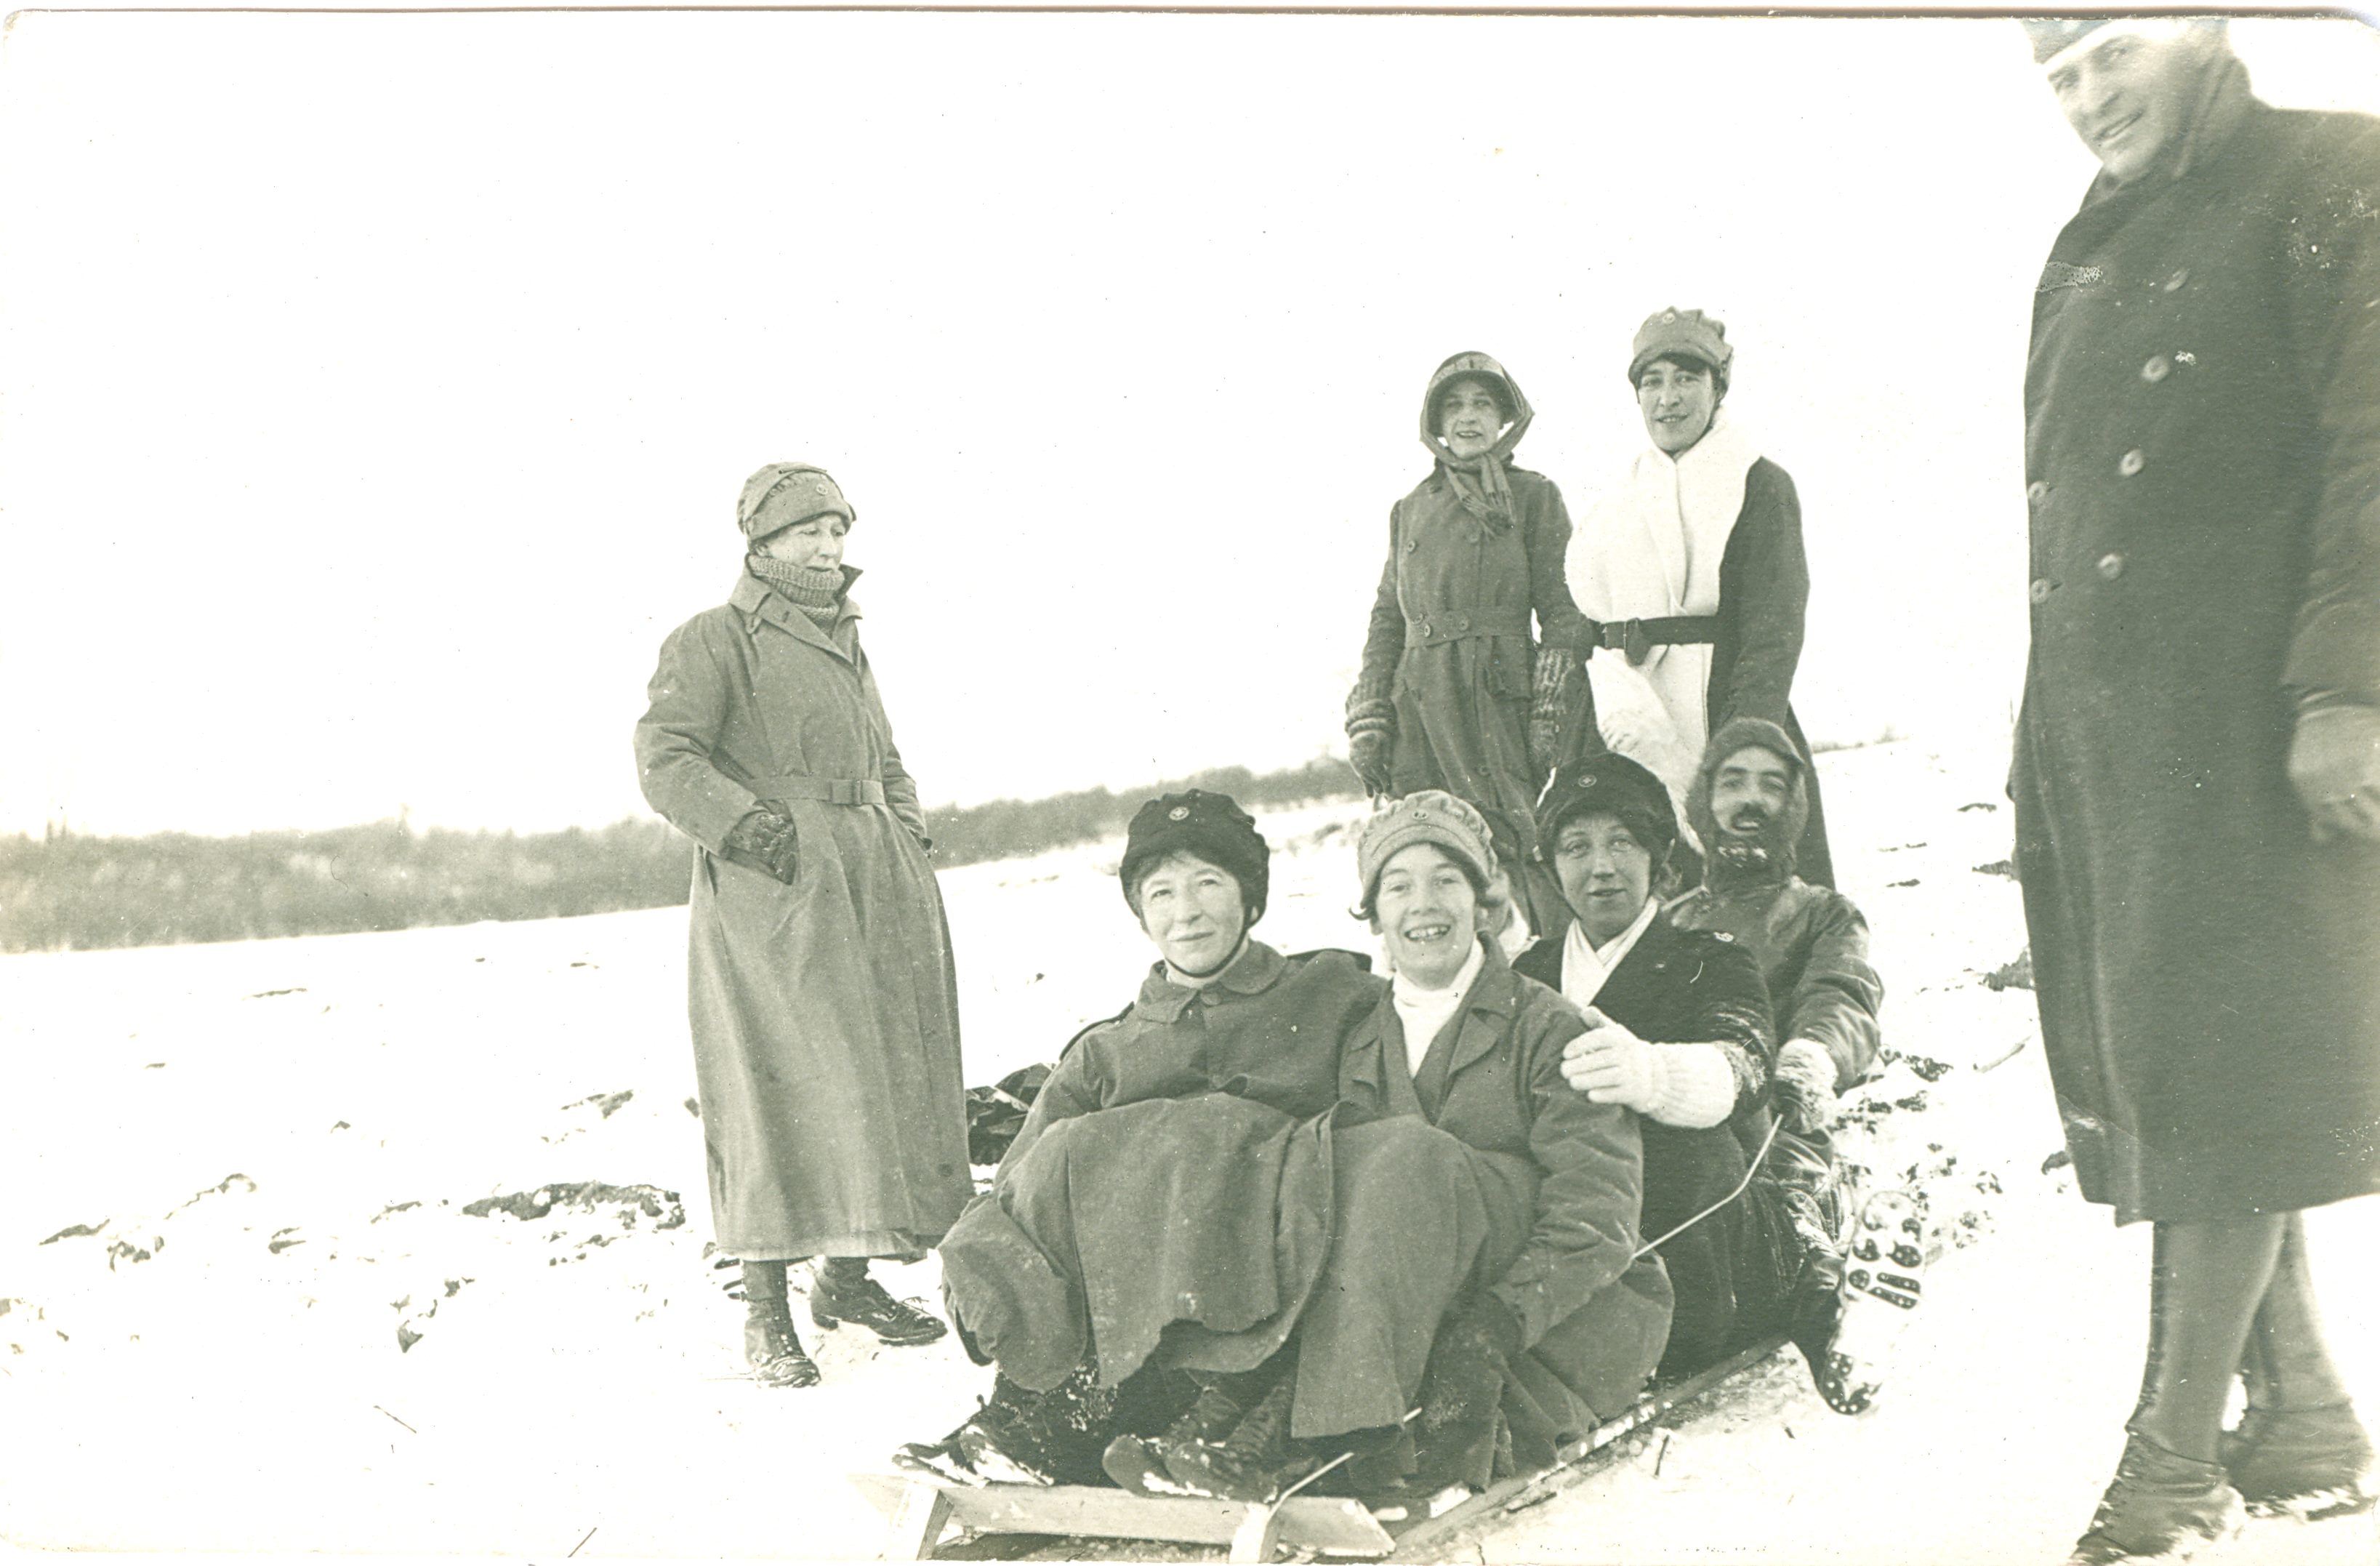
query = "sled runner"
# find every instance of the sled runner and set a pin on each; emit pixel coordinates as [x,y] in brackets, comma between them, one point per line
[921,1507]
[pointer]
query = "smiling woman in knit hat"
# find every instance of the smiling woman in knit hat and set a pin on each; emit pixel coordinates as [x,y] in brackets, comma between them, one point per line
[1691,569]
[1464,673]
[823,1004]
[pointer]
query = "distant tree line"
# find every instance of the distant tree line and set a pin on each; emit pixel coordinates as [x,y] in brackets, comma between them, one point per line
[69,892]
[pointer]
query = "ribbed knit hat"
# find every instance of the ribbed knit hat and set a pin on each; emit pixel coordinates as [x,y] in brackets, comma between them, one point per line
[1212,826]
[1669,332]
[784,494]
[1429,815]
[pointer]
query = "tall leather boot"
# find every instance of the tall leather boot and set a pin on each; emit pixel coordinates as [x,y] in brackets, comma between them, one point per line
[2169,1495]
[2299,1448]
[770,1347]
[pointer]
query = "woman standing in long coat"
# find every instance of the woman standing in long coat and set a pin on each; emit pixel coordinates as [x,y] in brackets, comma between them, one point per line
[1693,575]
[1454,693]
[2203,453]
[824,1009]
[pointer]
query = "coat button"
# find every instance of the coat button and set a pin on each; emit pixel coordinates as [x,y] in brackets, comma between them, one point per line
[2180,275]
[2111,566]
[2039,591]
[1412,544]
[1463,624]
[2132,462]
[2157,370]
[1425,627]
[2036,491]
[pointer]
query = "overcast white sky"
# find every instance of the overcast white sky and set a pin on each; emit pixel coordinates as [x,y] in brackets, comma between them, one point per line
[375,390]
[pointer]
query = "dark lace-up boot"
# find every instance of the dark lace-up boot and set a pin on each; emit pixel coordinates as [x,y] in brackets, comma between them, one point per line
[2308,1462]
[2162,1507]
[1138,1462]
[841,1291]
[1255,1462]
[770,1347]
[1020,1437]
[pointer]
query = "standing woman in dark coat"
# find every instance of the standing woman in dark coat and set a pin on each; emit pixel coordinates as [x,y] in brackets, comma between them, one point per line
[824,1009]
[2197,778]
[1445,699]
[1692,574]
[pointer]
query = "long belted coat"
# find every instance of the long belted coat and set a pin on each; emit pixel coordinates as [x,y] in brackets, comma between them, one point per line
[825,1012]
[2203,453]
[1450,639]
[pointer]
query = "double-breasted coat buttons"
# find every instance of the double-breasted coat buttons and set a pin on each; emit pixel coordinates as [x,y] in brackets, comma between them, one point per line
[2157,370]
[2039,591]
[2036,491]
[2180,275]
[2111,566]
[2132,462]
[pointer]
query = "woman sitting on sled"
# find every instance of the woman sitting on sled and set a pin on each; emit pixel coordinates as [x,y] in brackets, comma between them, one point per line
[1322,1201]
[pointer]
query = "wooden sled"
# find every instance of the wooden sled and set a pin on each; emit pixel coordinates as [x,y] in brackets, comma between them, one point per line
[920,1507]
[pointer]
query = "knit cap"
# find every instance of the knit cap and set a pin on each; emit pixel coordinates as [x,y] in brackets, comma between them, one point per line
[1669,332]
[784,494]
[1430,816]
[1212,826]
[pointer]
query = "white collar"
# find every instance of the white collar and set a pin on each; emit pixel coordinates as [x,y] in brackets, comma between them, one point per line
[1585,967]
[1422,1011]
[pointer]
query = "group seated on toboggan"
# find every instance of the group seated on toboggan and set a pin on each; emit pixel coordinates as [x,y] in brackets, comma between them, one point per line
[1283,1229]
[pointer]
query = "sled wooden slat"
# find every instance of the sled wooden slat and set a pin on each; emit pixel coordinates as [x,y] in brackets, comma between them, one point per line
[1423,1538]
[1321,1523]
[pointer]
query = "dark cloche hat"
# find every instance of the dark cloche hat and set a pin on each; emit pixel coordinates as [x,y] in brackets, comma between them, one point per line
[1609,783]
[1213,827]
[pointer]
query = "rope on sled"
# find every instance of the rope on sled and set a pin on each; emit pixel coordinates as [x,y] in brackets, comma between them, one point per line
[1775,1125]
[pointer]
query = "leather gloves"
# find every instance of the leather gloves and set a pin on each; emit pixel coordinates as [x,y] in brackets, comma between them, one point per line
[2335,765]
[764,841]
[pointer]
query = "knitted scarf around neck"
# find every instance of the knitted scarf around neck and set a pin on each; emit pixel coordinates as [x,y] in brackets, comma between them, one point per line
[817,591]
[1479,482]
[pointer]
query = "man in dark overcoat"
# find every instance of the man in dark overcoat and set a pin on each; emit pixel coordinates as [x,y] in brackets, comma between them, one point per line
[2197,775]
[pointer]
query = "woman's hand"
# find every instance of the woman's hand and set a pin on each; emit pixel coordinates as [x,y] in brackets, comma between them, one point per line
[1611,1065]
[2335,765]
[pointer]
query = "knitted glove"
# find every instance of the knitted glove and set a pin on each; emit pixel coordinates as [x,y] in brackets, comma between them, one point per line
[1547,704]
[764,841]
[1371,735]
[1805,1086]
[2335,765]
[1611,1065]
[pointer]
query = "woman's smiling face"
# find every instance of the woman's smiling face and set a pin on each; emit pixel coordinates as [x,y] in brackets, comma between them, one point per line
[1470,415]
[1678,401]
[1195,912]
[1427,911]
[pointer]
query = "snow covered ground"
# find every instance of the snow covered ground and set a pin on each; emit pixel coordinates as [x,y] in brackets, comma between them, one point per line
[248,1307]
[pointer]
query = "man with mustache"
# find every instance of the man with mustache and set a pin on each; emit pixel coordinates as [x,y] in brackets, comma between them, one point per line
[1749,803]
[2197,770]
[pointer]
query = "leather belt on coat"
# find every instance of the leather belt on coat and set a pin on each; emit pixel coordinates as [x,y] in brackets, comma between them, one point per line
[1639,637]
[1434,625]
[833,791]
